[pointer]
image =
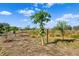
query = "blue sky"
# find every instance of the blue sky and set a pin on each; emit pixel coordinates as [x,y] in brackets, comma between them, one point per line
[18,14]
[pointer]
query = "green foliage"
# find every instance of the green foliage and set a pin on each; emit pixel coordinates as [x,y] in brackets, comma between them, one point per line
[42,32]
[41,17]
[33,28]
[14,29]
[1,28]
[4,28]
[75,36]
[62,25]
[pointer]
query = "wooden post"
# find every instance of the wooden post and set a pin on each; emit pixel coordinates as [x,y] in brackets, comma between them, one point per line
[47,36]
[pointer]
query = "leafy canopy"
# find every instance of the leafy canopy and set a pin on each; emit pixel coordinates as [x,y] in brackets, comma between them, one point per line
[41,18]
[4,27]
[62,25]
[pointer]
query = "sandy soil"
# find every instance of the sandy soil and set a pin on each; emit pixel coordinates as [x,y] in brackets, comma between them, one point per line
[23,45]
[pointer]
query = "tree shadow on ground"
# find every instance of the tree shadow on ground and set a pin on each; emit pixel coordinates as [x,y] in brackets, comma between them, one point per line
[60,40]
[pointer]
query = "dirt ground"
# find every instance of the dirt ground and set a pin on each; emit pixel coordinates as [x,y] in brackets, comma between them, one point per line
[23,45]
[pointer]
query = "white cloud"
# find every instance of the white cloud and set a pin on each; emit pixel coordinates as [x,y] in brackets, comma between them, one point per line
[72,19]
[5,13]
[36,4]
[25,20]
[29,22]
[48,5]
[68,17]
[50,24]
[26,12]
[37,9]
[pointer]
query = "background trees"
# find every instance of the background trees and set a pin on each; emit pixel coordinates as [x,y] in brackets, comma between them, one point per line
[41,18]
[4,28]
[14,29]
[76,27]
[1,28]
[62,25]
[27,28]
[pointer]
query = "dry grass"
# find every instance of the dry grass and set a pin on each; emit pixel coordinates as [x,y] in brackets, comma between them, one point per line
[28,43]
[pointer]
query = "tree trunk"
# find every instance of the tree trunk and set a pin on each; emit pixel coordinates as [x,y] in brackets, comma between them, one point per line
[42,41]
[14,33]
[62,35]
[47,36]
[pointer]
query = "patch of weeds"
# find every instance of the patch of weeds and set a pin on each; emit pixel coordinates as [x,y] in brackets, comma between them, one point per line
[75,36]
[66,43]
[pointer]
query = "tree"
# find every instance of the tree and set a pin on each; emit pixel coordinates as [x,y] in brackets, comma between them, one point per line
[62,25]
[76,27]
[4,29]
[1,28]
[41,18]
[69,27]
[14,29]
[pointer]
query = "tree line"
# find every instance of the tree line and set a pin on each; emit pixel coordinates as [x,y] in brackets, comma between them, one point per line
[5,28]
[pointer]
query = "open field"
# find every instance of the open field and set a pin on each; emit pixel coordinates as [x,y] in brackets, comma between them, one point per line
[28,43]
[39,29]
